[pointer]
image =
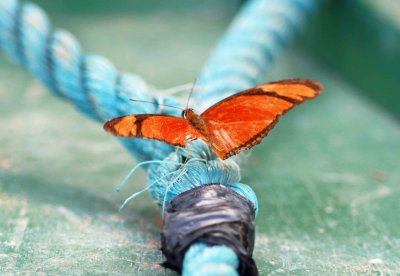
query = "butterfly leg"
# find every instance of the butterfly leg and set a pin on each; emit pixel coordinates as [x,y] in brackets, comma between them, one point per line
[188,151]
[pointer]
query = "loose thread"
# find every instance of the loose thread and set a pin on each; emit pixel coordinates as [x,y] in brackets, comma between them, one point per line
[120,186]
[123,182]
[145,189]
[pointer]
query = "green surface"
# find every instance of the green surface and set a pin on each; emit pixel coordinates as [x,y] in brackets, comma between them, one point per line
[327,178]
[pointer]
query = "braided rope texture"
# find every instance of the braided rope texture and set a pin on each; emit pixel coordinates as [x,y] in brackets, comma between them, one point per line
[95,87]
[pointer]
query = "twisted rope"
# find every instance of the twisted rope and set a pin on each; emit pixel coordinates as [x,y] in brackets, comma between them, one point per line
[97,89]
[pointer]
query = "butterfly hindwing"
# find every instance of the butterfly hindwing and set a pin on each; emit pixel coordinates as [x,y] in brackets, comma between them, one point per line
[170,129]
[244,119]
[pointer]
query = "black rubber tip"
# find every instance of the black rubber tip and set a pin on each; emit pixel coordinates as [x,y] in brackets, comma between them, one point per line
[213,214]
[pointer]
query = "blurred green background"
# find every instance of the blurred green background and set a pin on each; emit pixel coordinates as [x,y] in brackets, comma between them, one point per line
[327,178]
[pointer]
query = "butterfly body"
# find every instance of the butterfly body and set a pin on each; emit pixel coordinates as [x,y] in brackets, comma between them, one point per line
[196,121]
[236,123]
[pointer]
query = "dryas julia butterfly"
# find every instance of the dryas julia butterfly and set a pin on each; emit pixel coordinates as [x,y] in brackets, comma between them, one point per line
[236,123]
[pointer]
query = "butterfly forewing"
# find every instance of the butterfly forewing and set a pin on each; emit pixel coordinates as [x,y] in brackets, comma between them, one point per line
[170,129]
[244,119]
[297,90]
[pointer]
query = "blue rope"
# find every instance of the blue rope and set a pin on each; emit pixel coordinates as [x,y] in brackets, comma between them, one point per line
[97,89]
[220,260]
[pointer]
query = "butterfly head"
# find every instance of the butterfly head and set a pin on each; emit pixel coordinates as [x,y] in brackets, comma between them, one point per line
[188,113]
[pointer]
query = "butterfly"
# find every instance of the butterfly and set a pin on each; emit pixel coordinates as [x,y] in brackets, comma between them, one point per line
[234,124]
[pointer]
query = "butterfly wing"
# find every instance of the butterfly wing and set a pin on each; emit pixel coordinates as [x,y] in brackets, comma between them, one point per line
[244,119]
[170,129]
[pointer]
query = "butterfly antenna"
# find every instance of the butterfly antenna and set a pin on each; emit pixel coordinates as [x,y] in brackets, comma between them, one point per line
[191,92]
[140,101]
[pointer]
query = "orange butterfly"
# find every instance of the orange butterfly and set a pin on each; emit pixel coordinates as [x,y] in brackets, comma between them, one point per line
[236,123]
